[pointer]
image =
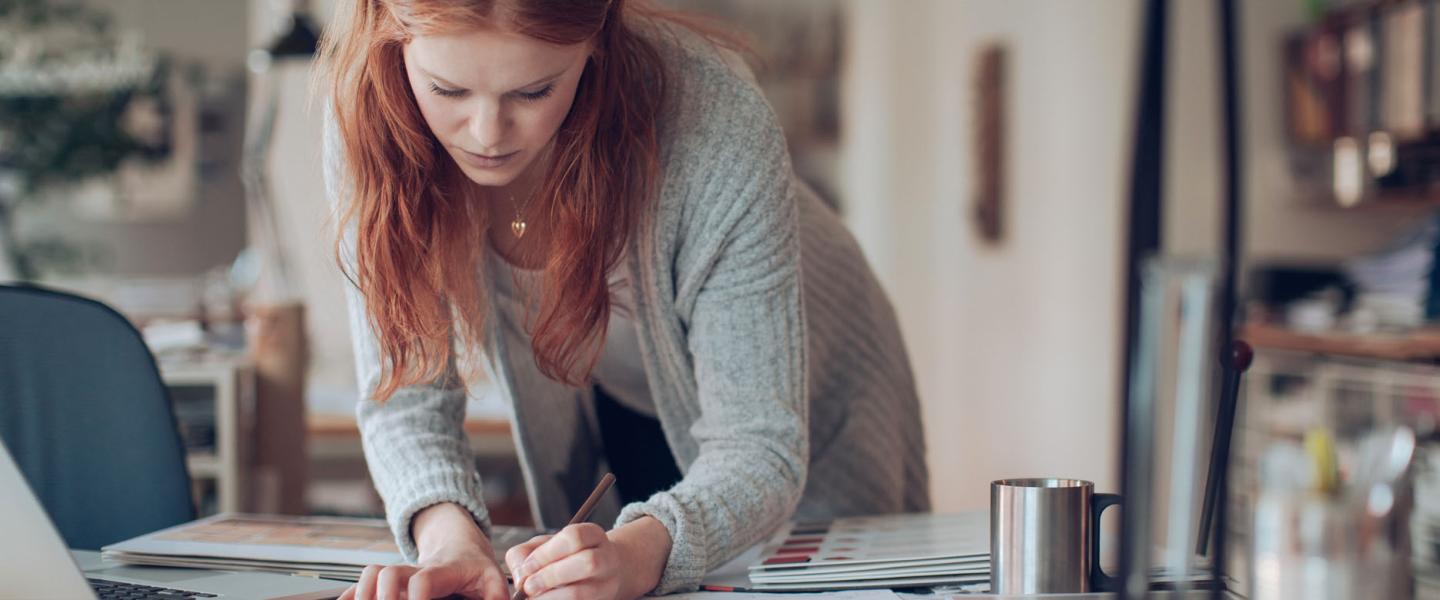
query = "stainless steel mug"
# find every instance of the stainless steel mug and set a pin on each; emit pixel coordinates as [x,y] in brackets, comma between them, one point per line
[1045,537]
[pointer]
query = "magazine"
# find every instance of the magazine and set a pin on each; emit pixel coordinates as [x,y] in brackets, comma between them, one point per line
[328,547]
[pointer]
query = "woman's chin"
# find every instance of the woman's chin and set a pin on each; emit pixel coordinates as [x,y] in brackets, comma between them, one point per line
[488,177]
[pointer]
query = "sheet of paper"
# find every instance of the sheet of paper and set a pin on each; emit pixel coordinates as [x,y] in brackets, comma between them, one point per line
[858,595]
[966,564]
[880,539]
[884,574]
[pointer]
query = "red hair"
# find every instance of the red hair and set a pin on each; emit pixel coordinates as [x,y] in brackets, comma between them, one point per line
[416,254]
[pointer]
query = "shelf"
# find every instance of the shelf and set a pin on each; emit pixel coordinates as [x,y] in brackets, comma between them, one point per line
[1421,344]
[226,382]
[1419,201]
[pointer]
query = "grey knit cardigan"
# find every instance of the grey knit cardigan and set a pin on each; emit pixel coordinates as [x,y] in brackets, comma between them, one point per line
[772,354]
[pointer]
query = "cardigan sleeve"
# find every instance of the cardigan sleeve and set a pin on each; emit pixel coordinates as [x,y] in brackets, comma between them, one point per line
[746,337]
[414,444]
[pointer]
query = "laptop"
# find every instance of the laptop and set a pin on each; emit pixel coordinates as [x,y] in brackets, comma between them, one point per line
[36,565]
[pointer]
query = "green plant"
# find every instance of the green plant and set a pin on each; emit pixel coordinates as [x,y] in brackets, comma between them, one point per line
[66,84]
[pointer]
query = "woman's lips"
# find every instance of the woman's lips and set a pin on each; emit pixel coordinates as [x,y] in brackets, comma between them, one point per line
[487,162]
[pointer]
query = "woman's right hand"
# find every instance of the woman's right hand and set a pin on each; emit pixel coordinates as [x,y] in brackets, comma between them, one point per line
[455,558]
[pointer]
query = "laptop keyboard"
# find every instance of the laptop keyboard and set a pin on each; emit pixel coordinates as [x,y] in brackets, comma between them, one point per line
[116,590]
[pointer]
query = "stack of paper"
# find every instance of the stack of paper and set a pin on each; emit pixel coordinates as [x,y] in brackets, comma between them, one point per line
[1394,284]
[329,547]
[899,551]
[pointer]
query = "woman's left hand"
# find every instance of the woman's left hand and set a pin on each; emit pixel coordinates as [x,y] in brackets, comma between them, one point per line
[584,562]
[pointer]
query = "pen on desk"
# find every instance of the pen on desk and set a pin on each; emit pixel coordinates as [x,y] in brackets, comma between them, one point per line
[580,517]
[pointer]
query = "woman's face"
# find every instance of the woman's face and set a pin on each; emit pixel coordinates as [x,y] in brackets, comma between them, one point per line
[494,99]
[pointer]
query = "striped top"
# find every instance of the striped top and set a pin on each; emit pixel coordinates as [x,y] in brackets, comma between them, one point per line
[772,355]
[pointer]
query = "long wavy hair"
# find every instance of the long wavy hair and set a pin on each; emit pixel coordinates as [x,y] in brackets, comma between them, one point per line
[416,253]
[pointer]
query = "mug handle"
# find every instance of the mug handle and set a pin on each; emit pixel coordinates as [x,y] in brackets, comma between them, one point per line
[1099,580]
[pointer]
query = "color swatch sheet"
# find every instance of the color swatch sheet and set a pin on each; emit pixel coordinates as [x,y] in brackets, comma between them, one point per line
[892,551]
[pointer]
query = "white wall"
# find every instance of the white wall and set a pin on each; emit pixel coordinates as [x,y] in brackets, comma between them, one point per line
[298,193]
[1015,347]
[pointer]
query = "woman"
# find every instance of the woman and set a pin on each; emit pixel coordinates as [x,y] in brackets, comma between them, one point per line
[595,198]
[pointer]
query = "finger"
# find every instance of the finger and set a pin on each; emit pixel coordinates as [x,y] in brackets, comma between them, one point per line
[519,552]
[391,579]
[493,586]
[578,567]
[569,592]
[420,585]
[570,540]
[349,594]
[365,588]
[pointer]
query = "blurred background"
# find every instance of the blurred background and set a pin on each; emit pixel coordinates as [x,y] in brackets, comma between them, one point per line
[164,156]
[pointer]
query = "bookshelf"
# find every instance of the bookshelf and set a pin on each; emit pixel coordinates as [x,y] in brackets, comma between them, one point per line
[214,407]
[1361,95]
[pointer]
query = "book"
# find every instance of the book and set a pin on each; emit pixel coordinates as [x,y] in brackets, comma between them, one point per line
[328,547]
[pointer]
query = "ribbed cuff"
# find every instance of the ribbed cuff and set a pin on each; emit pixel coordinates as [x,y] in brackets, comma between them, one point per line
[426,492]
[685,568]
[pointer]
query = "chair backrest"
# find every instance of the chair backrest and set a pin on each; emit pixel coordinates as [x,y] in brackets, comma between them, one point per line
[87,418]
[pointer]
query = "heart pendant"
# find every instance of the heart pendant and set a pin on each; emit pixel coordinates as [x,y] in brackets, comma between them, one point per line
[518,227]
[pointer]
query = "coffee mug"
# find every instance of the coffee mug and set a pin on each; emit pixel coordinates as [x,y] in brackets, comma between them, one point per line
[1045,537]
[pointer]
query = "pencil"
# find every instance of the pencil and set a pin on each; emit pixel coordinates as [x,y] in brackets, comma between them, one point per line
[580,517]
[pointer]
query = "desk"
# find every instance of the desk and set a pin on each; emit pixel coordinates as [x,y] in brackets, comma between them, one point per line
[90,561]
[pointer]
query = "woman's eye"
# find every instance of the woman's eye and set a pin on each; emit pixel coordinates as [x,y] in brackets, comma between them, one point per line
[536,95]
[444,92]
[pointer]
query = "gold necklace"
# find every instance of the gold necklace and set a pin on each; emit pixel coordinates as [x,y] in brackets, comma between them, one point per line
[517,226]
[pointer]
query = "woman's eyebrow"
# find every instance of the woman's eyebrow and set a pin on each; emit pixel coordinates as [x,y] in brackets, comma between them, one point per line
[442,81]
[438,79]
[543,79]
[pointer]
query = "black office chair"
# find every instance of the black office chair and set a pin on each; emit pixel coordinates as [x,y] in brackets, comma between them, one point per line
[86,416]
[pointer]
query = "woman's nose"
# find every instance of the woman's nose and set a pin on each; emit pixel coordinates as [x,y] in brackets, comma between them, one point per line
[487,126]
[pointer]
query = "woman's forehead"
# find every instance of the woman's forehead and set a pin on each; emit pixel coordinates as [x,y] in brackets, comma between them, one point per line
[479,58]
